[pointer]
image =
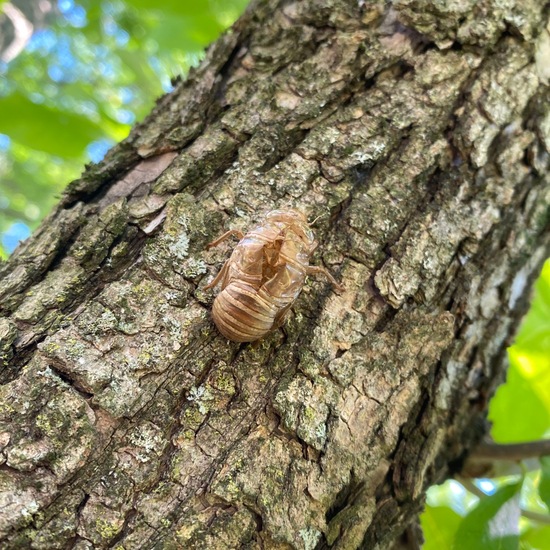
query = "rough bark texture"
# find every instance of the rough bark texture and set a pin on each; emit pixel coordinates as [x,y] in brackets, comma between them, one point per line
[421,131]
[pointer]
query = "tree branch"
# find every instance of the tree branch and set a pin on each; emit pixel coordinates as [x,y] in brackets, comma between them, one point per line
[536,516]
[513,451]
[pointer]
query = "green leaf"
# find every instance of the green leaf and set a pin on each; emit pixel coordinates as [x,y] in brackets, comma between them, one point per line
[520,410]
[176,7]
[544,483]
[189,26]
[482,528]
[543,285]
[45,128]
[186,33]
[536,538]
[439,525]
[143,75]
[535,329]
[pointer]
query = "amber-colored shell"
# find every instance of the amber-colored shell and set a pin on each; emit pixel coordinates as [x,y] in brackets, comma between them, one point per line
[264,275]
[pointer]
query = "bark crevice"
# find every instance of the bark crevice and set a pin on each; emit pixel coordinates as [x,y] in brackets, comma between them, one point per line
[420,144]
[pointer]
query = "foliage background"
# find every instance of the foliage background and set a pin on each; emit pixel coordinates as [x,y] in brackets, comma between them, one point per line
[77,88]
[80,84]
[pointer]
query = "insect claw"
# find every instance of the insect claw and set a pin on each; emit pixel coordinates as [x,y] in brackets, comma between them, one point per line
[224,237]
[316,219]
[316,270]
[221,275]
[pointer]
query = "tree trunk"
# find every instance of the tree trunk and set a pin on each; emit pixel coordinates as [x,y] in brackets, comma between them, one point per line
[421,135]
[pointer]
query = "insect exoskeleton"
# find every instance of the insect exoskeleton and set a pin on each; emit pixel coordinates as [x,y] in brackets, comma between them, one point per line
[264,275]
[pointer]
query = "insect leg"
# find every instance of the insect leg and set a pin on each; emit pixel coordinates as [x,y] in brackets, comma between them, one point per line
[281,317]
[314,270]
[313,247]
[315,220]
[225,236]
[219,276]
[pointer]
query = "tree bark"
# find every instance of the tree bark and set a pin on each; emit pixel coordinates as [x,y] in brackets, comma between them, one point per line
[421,134]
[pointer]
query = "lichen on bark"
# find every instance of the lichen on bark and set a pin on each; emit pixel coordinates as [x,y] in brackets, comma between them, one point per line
[418,133]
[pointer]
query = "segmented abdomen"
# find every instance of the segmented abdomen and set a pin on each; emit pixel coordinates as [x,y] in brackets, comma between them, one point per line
[242,314]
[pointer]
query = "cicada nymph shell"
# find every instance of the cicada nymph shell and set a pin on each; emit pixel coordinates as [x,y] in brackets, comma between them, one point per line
[264,275]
